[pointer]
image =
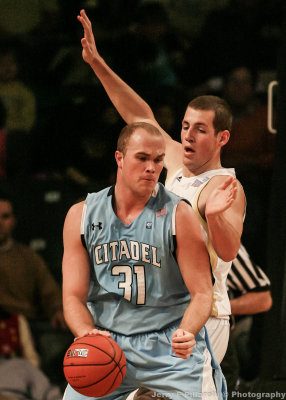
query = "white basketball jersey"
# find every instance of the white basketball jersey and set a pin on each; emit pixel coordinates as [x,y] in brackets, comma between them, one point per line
[190,189]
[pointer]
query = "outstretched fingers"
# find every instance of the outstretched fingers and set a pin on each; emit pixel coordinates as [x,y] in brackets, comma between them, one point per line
[86,24]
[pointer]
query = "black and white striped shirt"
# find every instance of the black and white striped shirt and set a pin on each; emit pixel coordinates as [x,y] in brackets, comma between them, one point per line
[245,276]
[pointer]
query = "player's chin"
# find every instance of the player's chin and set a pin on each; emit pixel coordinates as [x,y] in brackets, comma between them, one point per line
[147,186]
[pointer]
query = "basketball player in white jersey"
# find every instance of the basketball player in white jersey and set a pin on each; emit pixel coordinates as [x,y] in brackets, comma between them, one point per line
[194,171]
[136,268]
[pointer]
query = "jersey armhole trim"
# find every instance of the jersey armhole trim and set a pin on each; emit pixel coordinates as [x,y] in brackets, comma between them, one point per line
[82,225]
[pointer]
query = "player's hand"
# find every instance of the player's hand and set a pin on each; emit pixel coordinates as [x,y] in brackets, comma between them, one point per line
[94,332]
[89,49]
[221,198]
[183,343]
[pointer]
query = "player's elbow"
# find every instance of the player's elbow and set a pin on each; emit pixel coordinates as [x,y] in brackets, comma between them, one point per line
[227,252]
[267,301]
[227,256]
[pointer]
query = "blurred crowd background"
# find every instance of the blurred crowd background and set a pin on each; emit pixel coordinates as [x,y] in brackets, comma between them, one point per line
[58,129]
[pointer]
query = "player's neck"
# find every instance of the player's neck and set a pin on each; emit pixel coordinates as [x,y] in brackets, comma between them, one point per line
[189,171]
[127,205]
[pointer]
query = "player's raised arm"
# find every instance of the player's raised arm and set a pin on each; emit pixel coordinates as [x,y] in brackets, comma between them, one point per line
[194,265]
[128,103]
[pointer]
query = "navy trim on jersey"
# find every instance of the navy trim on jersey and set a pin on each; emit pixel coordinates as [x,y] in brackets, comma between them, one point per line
[83,240]
[111,190]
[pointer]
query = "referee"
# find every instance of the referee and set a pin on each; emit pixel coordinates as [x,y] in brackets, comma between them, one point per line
[249,292]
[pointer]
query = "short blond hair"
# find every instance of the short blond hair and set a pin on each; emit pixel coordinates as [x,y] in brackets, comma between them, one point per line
[128,131]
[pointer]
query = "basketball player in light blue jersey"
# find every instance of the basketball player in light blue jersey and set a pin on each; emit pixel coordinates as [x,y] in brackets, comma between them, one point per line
[194,171]
[135,267]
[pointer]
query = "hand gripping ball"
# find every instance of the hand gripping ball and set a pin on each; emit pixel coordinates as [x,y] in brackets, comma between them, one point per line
[94,365]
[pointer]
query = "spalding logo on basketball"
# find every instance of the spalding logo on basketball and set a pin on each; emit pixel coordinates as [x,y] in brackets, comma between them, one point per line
[94,365]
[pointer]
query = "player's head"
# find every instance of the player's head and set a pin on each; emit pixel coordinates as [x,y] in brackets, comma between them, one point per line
[205,130]
[222,114]
[140,156]
[7,218]
[129,130]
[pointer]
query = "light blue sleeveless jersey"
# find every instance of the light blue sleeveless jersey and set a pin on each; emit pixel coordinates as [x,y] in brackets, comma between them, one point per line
[135,284]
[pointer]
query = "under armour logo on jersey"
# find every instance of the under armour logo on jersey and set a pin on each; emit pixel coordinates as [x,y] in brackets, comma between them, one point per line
[179,178]
[99,226]
[148,225]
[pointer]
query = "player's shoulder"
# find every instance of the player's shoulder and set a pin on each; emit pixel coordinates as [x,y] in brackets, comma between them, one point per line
[219,178]
[75,209]
[74,215]
[101,194]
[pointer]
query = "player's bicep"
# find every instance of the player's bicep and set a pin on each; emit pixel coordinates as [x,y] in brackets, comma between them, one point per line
[236,213]
[75,258]
[192,255]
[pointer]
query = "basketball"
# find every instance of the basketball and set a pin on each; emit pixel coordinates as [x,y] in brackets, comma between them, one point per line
[94,365]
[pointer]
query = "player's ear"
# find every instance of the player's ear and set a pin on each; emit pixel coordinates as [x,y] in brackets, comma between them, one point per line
[118,158]
[223,137]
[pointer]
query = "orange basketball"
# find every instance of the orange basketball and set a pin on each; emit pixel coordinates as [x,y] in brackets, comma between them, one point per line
[94,365]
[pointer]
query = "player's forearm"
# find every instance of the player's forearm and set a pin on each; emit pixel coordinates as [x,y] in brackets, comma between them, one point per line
[197,312]
[77,316]
[224,237]
[251,303]
[128,103]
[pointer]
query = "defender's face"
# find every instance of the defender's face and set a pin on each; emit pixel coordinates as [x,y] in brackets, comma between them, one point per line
[200,144]
[142,163]
[7,221]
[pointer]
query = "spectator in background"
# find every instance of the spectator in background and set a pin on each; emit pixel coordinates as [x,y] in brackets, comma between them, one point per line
[20,103]
[251,146]
[150,34]
[3,116]
[19,100]
[22,18]
[20,373]
[21,380]
[241,31]
[16,338]
[28,288]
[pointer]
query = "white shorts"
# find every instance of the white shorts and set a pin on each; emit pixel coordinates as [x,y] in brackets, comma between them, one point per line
[218,332]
